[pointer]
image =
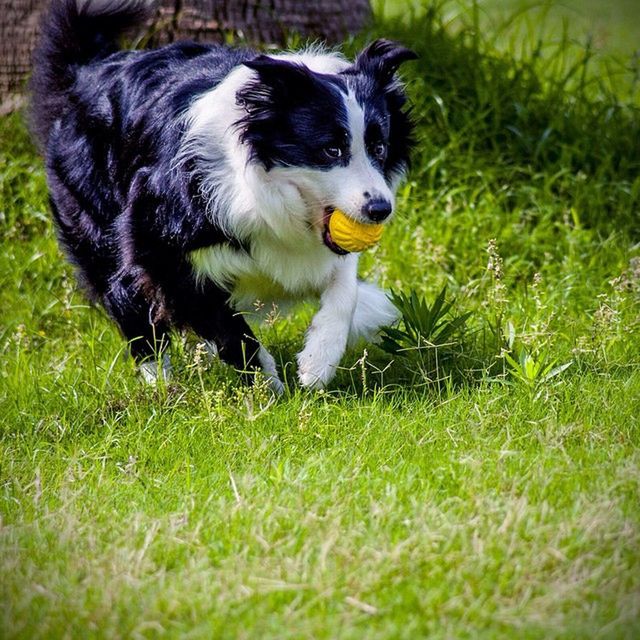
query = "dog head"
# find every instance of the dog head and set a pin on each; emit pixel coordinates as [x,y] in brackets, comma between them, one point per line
[341,137]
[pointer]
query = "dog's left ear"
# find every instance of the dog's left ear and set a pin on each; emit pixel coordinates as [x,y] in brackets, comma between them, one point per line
[382,58]
[278,80]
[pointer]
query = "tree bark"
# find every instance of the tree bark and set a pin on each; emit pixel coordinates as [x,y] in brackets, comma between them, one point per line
[269,22]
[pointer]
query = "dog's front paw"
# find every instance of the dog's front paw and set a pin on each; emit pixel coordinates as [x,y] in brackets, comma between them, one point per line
[313,379]
[314,371]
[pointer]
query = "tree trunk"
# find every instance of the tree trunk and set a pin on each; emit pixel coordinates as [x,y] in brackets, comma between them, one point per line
[268,22]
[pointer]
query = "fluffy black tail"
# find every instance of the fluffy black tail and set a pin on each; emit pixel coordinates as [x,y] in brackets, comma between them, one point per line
[74,32]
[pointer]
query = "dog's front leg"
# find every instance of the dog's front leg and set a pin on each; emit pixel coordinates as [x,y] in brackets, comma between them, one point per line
[327,336]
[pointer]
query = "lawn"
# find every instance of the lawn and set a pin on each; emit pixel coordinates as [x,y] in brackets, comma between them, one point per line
[612,26]
[482,486]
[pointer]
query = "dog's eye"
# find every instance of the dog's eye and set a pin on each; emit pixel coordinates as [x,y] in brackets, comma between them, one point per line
[333,152]
[378,150]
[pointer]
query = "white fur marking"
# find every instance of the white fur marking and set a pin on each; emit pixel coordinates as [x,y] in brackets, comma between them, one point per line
[373,311]
[270,370]
[327,335]
[211,348]
[151,373]
[317,58]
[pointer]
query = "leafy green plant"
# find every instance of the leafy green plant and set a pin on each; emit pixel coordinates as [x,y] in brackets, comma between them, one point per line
[533,371]
[429,335]
[424,325]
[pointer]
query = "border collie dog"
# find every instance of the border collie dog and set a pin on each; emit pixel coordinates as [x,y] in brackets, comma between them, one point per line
[190,181]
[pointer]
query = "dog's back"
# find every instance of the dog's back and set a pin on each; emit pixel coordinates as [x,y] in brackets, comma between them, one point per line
[100,115]
[72,121]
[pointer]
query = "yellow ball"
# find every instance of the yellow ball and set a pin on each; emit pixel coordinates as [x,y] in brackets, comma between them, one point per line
[351,235]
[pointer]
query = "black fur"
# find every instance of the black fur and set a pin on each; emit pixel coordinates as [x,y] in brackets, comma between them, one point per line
[109,125]
[383,100]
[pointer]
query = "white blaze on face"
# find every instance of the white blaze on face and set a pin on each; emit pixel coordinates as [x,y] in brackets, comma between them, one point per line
[360,180]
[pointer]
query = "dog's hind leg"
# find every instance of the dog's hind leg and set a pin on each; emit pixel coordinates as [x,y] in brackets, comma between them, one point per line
[143,323]
[205,309]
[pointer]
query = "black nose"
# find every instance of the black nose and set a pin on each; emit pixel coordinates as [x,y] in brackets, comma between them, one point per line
[377,210]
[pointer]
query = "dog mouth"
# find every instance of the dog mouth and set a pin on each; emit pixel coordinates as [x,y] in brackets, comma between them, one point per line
[326,234]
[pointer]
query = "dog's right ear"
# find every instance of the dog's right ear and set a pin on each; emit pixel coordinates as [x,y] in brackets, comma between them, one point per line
[278,82]
[382,58]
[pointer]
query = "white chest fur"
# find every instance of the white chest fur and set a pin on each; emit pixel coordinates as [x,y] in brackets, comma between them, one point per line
[270,272]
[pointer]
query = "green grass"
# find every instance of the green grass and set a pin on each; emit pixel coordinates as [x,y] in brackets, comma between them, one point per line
[453,491]
[612,27]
